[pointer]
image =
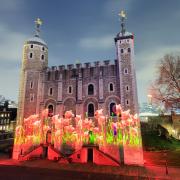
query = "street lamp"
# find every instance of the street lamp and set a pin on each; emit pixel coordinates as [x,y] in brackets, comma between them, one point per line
[149,99]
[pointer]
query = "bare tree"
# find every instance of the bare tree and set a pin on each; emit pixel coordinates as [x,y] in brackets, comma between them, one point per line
[166,87]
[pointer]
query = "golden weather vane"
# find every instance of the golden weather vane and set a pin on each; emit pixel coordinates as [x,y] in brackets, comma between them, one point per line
[122,14]
[38,23]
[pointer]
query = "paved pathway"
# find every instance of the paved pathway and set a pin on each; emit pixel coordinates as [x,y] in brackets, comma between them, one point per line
[52,170]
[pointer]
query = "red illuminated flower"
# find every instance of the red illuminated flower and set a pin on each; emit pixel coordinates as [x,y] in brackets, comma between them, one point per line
[69,114]
[45,113]
[118,109]
[98,113]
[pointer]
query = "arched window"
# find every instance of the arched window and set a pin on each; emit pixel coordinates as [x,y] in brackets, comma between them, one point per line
[125,71]
[70,89]
[50,110]
[111,87]
[127,88]
[122,50]
[90,110]
[31,85]
[112,109]
[31,45]
[127,102]
[30,55]
[31,97]
[42,57]
[51,91]
[90,89]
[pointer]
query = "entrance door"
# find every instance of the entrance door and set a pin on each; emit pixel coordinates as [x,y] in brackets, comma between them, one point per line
[90,155]
[91,110]
[45,152]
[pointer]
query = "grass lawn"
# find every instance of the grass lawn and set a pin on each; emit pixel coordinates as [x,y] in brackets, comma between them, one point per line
[151,141]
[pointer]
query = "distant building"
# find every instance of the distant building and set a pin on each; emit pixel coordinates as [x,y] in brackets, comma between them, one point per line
[8,115]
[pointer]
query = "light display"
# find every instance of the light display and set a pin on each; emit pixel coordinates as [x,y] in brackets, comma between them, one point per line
[68,134]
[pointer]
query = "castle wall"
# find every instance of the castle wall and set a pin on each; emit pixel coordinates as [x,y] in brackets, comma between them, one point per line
[79,77]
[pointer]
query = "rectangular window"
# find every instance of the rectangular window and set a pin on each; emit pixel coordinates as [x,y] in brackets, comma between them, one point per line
[127,88]
[125,71]
[50,91]
[127,102]
[31,84]
[42,57]
[31,97]
[30,55]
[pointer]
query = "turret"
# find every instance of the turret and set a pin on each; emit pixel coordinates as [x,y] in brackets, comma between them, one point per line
[34,61]
[124,42]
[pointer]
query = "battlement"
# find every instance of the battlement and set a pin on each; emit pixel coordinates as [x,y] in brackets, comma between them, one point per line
[82,65]
[88,69]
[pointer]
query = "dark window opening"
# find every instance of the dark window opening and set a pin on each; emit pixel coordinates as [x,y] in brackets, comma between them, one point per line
[126,71]
[50,91]
[127,102]
[31,84]
[90,89]
[127,88]
[129,50]
[122,50]
[30,55]
[43,48]
[70,90]
[50,110]
[112,109]
[90,155]
[32,98]
[42,57]
[90,110]
[111,87]
[31,45]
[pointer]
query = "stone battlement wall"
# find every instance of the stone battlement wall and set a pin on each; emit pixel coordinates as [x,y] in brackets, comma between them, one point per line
[96,69]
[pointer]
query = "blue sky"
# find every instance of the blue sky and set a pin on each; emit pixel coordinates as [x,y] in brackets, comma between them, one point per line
[84,30]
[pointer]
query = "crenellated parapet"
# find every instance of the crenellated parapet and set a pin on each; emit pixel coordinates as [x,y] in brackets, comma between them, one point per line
[88,69]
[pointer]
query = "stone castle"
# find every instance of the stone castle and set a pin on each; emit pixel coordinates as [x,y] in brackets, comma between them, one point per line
[82,88]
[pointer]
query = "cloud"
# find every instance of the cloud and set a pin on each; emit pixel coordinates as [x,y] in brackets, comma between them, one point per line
[10,58]
[10,5]
[9,81]
[104,42]
[11,44]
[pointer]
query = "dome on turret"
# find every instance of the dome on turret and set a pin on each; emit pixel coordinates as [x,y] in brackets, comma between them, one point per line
[36,40]
[125,34]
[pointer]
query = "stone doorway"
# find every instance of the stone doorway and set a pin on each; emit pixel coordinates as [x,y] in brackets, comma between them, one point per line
[90,110]
[90,155]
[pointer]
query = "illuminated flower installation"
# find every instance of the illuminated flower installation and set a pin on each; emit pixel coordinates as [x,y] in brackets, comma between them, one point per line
[123,129]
